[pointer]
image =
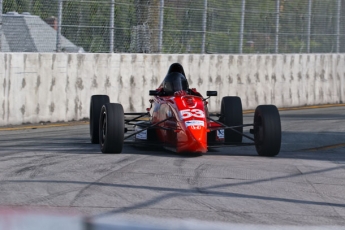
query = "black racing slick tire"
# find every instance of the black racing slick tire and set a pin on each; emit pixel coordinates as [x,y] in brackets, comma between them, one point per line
[267,130]
[111,132]
[232,115]
[96,103]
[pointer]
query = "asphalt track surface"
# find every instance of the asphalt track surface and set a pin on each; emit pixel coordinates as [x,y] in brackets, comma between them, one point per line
[57,169]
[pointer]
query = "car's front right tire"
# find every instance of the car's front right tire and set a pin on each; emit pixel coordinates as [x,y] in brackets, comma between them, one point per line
[111,128]
[96,103]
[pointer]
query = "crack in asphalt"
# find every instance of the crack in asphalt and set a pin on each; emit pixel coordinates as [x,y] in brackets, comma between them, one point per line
[78,195]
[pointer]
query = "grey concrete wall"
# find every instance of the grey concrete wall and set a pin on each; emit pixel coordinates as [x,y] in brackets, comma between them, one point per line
[41,87]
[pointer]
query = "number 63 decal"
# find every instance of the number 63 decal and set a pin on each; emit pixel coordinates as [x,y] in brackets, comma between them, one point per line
[187,113]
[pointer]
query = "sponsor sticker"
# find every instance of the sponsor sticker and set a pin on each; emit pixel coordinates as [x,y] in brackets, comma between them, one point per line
[142,135]
[194,123]
[220,133]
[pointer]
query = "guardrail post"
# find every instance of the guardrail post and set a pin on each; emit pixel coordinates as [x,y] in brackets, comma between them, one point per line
[58,35]
[338,26]
[276,49]
[204,27]
[112,23]
[0,24]
[309,26]
[242,25]
[161,21]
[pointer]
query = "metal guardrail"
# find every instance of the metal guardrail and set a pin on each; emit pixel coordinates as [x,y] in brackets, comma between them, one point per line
[17,219]
[198,26]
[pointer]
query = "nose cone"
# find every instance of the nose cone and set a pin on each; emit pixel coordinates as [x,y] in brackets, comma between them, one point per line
[197,139]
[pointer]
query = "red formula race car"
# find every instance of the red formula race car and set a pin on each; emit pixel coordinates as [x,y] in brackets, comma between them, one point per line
[178,120]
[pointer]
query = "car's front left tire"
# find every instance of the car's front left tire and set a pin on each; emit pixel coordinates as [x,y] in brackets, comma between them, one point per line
[267,129]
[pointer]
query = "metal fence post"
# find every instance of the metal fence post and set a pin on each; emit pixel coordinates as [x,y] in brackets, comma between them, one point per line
[309,26]
[111,35]
[58,36]
[204,27]
[0,24]
[242,25]
[338,25]
[30,6]
[161,21]
[276,49]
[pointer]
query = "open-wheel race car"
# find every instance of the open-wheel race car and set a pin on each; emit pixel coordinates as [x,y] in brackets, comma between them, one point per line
[178,120]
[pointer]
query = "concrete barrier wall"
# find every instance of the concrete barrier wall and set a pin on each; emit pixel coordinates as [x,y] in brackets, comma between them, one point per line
[41,87]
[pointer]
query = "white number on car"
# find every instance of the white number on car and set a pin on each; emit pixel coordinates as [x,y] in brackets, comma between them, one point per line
[187,113]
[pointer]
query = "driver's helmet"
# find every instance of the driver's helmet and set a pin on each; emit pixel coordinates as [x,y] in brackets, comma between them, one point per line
[174,82]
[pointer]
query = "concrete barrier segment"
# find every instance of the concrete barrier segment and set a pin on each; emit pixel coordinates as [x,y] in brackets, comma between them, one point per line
[56,87]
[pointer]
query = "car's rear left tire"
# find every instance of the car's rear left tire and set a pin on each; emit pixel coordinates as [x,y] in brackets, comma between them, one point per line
[267,129]
[232,115]
[96,103]
[111,131]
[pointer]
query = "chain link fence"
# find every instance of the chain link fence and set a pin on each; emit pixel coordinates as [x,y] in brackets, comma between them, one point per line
[177,26]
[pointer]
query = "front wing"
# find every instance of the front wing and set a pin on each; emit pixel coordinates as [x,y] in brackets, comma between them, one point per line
[142,119]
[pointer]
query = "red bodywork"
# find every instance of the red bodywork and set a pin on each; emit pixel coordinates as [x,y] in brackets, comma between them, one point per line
[186,126]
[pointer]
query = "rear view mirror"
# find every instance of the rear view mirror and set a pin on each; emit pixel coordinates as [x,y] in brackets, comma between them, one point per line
[153,93]
[211,93]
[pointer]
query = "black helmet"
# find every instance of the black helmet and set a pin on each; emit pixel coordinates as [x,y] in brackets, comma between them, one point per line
[174,82]
[176,67]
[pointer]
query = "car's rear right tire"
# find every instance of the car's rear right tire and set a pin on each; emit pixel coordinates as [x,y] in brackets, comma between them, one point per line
[96,103]
[111,132]
[232,115]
